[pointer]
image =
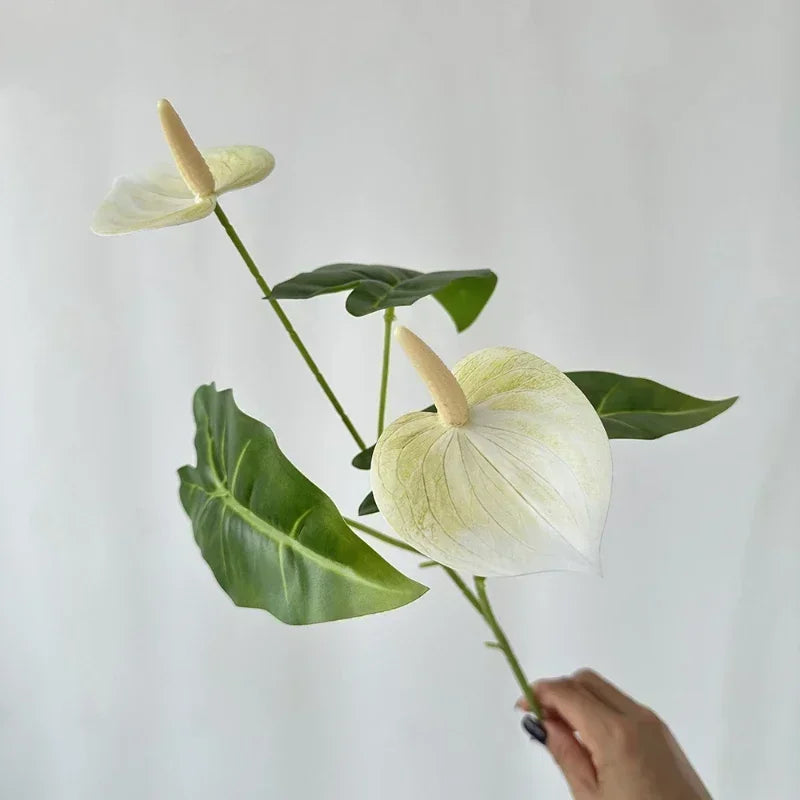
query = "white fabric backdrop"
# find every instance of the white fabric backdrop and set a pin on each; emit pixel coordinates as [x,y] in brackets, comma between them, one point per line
[630,169]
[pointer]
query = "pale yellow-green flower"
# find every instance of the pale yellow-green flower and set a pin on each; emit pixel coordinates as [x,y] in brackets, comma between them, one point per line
[511,476]
[187,191]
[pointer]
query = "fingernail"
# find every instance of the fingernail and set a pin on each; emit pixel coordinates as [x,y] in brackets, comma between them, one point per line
[521,704]
[534,728]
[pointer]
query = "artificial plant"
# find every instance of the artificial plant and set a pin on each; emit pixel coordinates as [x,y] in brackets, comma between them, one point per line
[509,472]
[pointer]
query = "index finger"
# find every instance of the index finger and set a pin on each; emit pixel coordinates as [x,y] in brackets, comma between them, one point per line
[583,711]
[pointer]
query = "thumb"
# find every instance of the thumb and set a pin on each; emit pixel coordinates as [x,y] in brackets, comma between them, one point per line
[573,759]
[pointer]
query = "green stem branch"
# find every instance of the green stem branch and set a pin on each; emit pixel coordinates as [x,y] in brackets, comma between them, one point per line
[281,314]
[479,600]
[502,641]
[388,319]
[359,526]
[465,590]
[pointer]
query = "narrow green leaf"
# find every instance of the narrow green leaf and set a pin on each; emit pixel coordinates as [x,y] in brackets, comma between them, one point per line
[638,408]
[368,506]
[462,293]
[273,539]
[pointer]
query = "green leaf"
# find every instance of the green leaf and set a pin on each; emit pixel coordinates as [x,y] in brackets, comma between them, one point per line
[368,506]
[364,459]
[273,539]
[638,408]
[462,293]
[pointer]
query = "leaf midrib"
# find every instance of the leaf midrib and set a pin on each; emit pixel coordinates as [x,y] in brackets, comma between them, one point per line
[392,287]
[605,414]
[261,526]
[354,284]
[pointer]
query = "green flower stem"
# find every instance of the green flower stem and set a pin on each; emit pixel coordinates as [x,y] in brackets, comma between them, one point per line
[465,590]
[454,576]
[388,319]
[502,641]
[264,286]
[480,602]
[359,526]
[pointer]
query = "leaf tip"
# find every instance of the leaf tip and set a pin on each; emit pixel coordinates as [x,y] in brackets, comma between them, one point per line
[368,506]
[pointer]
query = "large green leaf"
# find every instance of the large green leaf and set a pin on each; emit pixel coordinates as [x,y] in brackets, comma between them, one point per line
[638,408]
[273,539]
[462,293]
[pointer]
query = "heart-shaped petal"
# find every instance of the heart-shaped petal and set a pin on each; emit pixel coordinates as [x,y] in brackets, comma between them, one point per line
[238,167]
[155,200]
[522,486]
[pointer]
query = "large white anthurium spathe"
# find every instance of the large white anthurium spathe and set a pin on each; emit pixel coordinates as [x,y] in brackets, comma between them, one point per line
[511,475]
[172,196]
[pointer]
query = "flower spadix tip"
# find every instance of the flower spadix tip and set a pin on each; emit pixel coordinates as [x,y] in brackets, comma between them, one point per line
[188,159]
[447,394]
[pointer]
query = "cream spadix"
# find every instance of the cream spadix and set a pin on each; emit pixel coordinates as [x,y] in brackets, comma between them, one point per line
[511,476]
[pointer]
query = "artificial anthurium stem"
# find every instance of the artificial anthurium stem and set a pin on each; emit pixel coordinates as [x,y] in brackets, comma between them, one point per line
[359,526]
[465,590]
[454,576]
[479,600]
[388,319]
[281,314]
[502,642]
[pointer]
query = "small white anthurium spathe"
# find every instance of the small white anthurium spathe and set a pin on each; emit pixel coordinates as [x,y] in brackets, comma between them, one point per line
[511,474]
[168,196]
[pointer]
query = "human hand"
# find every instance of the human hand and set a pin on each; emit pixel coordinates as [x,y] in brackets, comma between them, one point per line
[607,745]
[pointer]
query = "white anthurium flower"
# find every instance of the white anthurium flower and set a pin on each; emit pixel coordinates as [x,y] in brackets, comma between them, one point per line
[511,475]
[184,192]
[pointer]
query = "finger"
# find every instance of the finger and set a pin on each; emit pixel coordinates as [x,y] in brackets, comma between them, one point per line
[522,704]
[579,709]
[606,691]
[573,759]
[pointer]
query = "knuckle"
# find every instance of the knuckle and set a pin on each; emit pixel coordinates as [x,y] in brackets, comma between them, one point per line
[554,687]
[649,720]
[585,674]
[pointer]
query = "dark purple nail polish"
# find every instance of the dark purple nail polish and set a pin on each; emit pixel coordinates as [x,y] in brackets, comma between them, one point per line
[534,728]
